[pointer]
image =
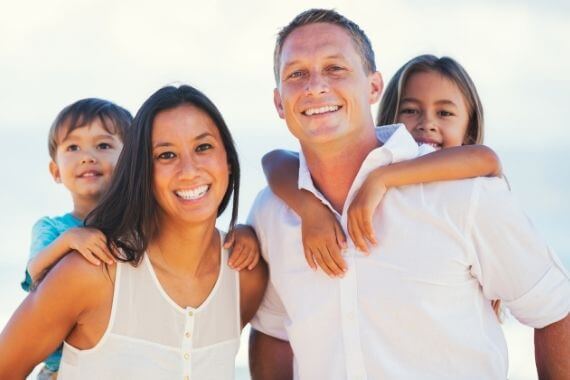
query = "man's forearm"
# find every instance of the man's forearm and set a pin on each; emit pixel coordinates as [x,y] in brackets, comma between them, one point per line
[552,350]
[269,358]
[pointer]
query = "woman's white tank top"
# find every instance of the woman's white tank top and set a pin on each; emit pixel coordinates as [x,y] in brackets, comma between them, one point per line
[149,336]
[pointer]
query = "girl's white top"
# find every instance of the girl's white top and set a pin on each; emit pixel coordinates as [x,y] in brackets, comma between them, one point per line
[149,336]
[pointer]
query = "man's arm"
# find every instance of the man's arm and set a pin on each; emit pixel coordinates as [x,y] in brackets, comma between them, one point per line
[269,358]
[552,350]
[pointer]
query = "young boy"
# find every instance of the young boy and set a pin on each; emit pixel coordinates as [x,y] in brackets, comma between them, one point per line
[84,142]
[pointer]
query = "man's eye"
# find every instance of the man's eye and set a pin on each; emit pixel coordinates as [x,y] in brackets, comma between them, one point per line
[166,156]
[203,147]
[295,75]
[335,68]
[104,146]
[72,148]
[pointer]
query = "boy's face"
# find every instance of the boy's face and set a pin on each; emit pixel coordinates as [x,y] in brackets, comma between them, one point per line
[85,160]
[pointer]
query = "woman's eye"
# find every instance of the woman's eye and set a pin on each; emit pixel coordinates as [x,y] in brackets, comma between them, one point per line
[104,146]
[166,156]
[203,147]
[72,148]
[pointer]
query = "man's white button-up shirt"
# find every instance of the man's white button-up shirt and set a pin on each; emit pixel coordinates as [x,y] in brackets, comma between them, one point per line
[418,307]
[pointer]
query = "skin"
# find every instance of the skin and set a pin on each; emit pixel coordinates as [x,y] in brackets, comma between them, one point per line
[74,301]
[84,162]
[320,66]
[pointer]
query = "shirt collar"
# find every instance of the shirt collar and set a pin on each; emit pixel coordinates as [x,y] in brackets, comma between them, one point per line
[398,145]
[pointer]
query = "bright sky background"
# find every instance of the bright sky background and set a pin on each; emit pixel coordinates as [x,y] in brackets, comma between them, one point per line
[55,52]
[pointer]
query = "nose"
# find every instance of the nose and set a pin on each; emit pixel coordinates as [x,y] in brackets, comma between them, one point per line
[427,124]
[189,166]
[88,157]
[316,84]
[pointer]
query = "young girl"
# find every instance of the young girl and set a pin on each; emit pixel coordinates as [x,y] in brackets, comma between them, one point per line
[437,101]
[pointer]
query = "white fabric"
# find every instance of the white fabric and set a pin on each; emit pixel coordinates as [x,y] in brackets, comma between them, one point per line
[149,336]
[418,307]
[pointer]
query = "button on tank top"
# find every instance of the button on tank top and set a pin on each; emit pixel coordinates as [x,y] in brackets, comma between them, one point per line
[149,336]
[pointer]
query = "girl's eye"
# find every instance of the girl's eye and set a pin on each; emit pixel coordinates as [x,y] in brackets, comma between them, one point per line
[408,111]
[72,148]
[166,156]
[203,147]
[104,146]
[445,113]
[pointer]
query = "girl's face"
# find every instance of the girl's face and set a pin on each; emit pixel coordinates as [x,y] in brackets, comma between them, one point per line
[434,110]
[190,166]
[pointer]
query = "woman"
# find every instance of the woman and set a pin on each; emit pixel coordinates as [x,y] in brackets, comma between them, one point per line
[170,308]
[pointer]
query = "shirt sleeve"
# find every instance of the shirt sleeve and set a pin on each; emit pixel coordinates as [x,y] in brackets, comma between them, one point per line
[43,234]
[271,315]
[511,261]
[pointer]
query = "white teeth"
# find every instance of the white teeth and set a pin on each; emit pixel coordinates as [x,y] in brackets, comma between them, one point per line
[192,194]
[317,111]
[89,174]
[434,145]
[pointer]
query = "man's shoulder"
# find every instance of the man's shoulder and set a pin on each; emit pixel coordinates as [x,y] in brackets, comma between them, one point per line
[265,202]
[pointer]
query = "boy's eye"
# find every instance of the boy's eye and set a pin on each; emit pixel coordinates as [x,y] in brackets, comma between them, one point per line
[104,146]
[166,156]
[203,147]
[72,148]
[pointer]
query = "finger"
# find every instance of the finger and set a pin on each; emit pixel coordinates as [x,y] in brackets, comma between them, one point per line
[333,269]
[310,259]
[89,256]
[332,257]
[247,261]
[100,254]
[235,255]
[336,256]
[367,227]
[108,257]
[318,258]
[340,236]
[358,238]
[254,262]
[242,258]
[229,241]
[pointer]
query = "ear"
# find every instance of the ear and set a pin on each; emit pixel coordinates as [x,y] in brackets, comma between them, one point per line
[54,170]
[278,103]
[376,87]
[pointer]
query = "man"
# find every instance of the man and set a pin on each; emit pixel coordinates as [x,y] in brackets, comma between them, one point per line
[417,307]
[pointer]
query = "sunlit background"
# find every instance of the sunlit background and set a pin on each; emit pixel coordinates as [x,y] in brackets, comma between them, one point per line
[55,52]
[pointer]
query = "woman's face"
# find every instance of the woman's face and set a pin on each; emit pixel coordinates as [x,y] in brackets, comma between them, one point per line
[190,167]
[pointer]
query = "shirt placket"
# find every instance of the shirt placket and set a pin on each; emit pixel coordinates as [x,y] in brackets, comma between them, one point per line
[349,321]
[187,343]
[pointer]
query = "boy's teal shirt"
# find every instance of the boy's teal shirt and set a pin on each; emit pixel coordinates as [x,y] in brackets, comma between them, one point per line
[44,232]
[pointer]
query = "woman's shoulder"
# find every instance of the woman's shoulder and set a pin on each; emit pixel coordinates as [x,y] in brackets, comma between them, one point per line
[74,278]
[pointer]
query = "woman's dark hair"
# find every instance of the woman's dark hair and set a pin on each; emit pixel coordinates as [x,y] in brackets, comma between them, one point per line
[127,214]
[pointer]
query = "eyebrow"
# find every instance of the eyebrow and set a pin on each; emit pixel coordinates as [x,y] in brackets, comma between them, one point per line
[69,137]
[439,102]
[199,137]
[297,61]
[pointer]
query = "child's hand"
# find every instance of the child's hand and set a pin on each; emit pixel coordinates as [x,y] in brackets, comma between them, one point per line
[90,243]
[323,239]
[361,210]
[245,247]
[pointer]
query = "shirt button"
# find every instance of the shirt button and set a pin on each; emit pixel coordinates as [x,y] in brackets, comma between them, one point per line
[190,313]
[350,316]
[186,377]
[187,334]
[186,356]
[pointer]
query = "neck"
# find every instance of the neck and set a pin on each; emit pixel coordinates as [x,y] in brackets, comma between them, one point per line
[185,249]
[83,206]
[334,166]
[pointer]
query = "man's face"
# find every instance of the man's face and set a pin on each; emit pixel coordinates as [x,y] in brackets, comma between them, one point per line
[324,92]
